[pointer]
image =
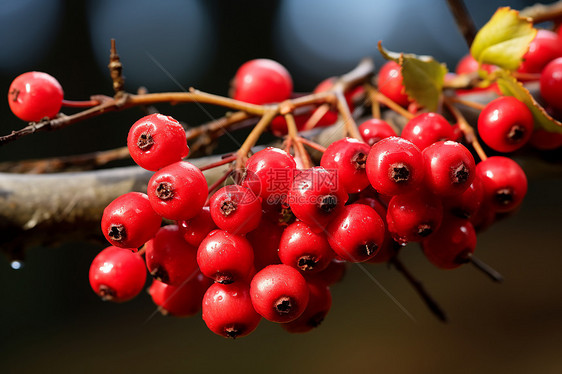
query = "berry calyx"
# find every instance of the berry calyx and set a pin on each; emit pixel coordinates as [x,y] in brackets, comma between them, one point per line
[235,209]
[156,140]
[35,95]
[348,157]
[117,274]
[129,221]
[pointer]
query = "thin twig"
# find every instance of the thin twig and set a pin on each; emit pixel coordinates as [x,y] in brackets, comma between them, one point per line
[467,130]
[463,19]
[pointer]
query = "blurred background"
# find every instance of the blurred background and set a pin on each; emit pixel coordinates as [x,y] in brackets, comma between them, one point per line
[51,321]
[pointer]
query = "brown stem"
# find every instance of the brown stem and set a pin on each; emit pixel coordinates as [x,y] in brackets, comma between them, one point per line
[485,268]
[470,104]
[218,182]
[420,289]
[316,116]
[254,136]
[116,71]
[375,105]
[467,130]
[312,145]
[393,106]
[301,155]
[80,104]
[463,19]
[224,161]
[348,121]
[541,13]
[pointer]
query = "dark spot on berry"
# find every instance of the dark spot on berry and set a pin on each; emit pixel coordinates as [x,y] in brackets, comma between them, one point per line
[224,278]
[504,196]
[15,94]
[228,207]
[117,233]
[307,262]
[164,191]
[233,331]
[460,174]
[463,257]
[359,160]
[424,230]
[283,305]
[145,141]
[160,274]
[516,134]
[328,203]
[106,293]
[316,319]
[368,249]
[399,172]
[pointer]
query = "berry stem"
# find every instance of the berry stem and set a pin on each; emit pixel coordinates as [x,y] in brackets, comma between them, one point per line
[316,116]
[254,136]
[375,104]
[349,123]
[224,161]
[301,155]
[467,130]
[313,145]
[542,13]
[420,289]
[218,183]
[467,103]
[392,105]
[80,104]
[485,268]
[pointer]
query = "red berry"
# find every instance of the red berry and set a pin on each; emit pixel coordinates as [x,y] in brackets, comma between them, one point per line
[551,83]
[319,304]
[466,204]
[449,246]
[235,209]
[156,140]
[545,47]
[374,130]
[228,310]
[117,274]
[412,217]
[194,230]
[279,293]
[544,140]
[356,233]
[395,166]
[505,183]
[389,82]
[35,95]
[449,168]
[225,257]
[505,124]
[316,196]
[426,129]
[169,258]
[348,157]
[265,241]
[262,81]
[269,172]
[178,191]
[129,221]
[333,274]
[303,249]
[181,301]
[468,64]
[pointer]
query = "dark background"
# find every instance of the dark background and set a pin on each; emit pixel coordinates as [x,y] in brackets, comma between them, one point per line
[51,321]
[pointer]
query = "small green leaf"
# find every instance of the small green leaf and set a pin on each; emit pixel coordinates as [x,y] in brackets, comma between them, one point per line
[510,86]
[423,77]
[503,40]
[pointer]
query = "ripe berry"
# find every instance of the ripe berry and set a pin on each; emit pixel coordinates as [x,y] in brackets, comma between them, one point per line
[449,168]
[389,82]
[225,257]
[279,293]
[544,140]
[178,191]
[545,47]
[316,196]
[466,204]
[319,304]
[228,310]
[413,216]
[156,140]
[374,130]
[117,274]
[356,233]
[265,241]
[262,81]
[303,249]
[194,230]
[449,246]
[169,258]
[505,124]
[129,221]
[395,166]
[271,172]
[348,157]
[551,83]
[181,301]
[35,95]
[235,209]
[505,183]
[468,65]
[426,129]
[333,274]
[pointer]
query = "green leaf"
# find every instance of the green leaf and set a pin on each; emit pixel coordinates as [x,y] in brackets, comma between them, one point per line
[423,77]
[510,86]
[503,40]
